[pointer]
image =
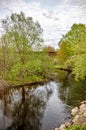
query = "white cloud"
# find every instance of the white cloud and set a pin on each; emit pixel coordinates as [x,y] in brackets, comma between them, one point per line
[55,22]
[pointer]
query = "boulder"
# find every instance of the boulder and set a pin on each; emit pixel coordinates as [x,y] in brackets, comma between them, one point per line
[56,128]
[67,124]
[74,111]
[83,108]
[76,119]
[62,127]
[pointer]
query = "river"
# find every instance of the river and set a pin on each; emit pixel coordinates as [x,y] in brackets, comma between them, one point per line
[39,107]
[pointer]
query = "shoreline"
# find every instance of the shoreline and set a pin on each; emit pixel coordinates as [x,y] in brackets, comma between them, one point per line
[78,113]
[7,85]
[78,118]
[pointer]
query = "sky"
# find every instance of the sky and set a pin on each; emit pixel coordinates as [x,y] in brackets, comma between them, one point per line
[55,16]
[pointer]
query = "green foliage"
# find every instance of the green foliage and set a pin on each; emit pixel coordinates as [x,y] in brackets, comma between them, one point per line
[63,53]
[22,31]
[83,127]
[72,51]
[39,66]
[21,34]
[20,57]
[77,127]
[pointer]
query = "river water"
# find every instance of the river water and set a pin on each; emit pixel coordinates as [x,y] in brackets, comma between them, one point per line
[39,107]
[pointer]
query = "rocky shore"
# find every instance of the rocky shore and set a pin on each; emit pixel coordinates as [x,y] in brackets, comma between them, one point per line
[78,117]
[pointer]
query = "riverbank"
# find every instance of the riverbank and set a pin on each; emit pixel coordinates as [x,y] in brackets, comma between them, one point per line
[7,84]
[34,80]
[78,119]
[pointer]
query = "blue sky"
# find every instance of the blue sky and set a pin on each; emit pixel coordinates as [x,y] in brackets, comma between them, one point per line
[55,16]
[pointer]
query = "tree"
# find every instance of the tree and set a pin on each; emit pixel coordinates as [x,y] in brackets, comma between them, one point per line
[20,36]
[63,52]
[23,32]
[73,47]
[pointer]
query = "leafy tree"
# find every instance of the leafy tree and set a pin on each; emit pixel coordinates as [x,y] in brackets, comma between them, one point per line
[72,52]
[23,33]
[20,58]
[63,53]
[20,36]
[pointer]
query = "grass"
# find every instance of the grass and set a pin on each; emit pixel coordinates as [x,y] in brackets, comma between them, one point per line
[77,127]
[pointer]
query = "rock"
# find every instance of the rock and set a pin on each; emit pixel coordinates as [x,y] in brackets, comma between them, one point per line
[62,127]
[74,111]
[82,119]
[84,123]
[76,118]
[56,128]
[83,108]
[84,114]
[67,124]
[83,102]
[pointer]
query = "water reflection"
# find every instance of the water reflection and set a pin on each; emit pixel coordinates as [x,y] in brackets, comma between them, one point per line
[32,108]
[23,108]
[72,92]
[27,113]
[41,107]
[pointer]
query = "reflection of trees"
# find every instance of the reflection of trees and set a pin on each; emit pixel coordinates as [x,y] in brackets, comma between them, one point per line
[25,113]
[72,92]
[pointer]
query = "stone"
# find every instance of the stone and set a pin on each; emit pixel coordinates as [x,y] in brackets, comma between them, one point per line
[84,123]
[62,127]
[76,118]
[82,119]
[56,128]
[74,111]
[84,114]
[83,102]
[83,108]
[67,124]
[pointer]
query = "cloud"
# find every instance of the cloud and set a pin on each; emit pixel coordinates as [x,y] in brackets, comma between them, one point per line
[55,20]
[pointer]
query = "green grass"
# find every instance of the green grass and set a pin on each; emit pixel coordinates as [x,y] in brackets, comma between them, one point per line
[77,127]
